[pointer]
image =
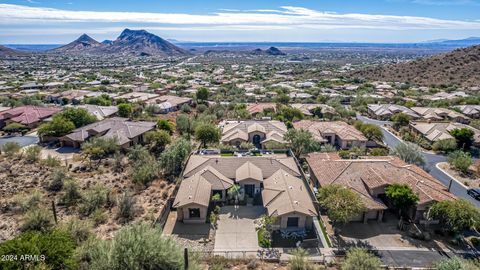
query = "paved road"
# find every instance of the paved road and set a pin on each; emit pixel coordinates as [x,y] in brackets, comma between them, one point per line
[431,161]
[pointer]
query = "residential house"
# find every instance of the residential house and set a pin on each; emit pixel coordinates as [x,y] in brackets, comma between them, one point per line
[256,108]
[440,114]
[472,111]
[167,103]
[310,109]
[70,96]
[433,132]
[276,178]
[258,132]
[100,112]
[125,132]
[30,116]
[136,97]
[336,133]
[385,111]
[368,177]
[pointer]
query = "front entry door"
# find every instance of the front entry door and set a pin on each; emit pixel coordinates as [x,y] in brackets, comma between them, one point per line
[250,190]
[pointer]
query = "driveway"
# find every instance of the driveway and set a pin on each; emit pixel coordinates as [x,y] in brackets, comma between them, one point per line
[236,230]
[431,161]
[21,140]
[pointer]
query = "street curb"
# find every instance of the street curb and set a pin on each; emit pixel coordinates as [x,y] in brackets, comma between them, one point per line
[449,175]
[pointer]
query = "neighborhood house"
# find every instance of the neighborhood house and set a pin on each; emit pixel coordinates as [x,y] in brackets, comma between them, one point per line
[274,178]
[258,132]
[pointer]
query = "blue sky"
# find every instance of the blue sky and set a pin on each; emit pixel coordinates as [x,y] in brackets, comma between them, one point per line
[61,21]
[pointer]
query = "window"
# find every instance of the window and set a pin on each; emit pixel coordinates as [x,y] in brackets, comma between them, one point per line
[194,212]
[292,222]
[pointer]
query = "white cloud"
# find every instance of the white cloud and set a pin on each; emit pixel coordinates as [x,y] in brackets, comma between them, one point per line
[286,17]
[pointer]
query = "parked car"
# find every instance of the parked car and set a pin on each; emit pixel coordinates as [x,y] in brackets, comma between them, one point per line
[475,193]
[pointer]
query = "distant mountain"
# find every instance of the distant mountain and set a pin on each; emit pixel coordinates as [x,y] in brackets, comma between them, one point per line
[471,41]
[4,51]
[459,67]
[269,51]
[130,42]
[81,44]
[141,42]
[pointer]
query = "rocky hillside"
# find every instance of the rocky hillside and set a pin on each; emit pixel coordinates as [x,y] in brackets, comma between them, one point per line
[459,67]
[5,51]
[81,44]
[130,42]
[269,51]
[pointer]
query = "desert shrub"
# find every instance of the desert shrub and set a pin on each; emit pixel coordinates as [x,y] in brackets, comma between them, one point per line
[361,259]
[126,207]
[475,241]
[165,125]
[57,246]
[145,171]
[99,148]
[299,260]
[57,179]
[263,238]
[99,216]
[409,153]
[201,108]
[32,153]
[15,127]
[344,154]
[456,263]
[51,161]
[71,193]
[379,152]
[93,199]
[444,146]
[144,246]
[28,201]
[460,160]
[10,149]
[186,108]
[247,145]
[37,219]
[79,230]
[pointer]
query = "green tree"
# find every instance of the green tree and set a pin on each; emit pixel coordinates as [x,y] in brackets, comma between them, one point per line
[460,160]
[134,247]
[58,127]
[207,133]
[78,116]
[444,146]
[184,124]
[458,214]
[409,153]
[164,124]
[282,99]
[361,259]
[171,160]
[464,137]
[372,132]
[202,94]
[157,140]
[401,196]
[301,142]
[57,246]
[400,120]
[341,203]
[125,110]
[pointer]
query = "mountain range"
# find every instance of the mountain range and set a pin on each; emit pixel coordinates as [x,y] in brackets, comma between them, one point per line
[270,51]
[459,67]
[130,42]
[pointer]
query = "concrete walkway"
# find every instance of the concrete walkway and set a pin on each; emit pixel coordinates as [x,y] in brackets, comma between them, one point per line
[236,230]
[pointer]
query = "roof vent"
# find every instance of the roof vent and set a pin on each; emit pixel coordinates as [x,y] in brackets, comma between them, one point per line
[189,197]
[290,187]
[295,202]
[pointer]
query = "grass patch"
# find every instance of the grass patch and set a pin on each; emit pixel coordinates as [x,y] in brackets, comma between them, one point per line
[324,231]
[226,154]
